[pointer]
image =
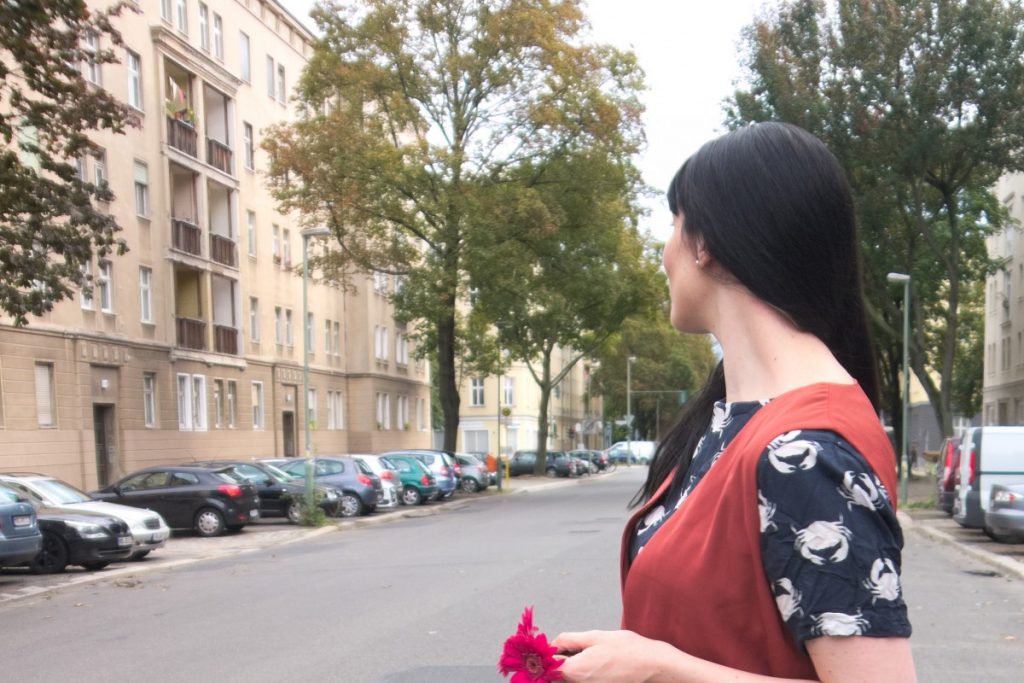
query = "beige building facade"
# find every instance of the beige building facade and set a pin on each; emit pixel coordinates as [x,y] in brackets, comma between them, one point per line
[190,345]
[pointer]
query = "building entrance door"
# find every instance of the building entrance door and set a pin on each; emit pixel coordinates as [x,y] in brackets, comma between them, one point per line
[288,430]
[103,431]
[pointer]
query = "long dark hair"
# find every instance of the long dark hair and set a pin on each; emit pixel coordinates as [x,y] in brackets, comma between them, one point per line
[773,206]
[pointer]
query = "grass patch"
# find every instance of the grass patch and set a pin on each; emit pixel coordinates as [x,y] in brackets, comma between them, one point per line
[921,504]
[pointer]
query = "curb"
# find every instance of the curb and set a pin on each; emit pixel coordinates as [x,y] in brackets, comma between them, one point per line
[1005,564]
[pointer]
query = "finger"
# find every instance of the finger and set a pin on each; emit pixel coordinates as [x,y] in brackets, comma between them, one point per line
[576,641]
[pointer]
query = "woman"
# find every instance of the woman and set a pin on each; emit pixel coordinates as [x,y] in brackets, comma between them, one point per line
[767,546]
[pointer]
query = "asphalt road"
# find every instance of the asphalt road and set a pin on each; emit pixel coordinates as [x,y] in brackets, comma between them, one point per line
[431,600]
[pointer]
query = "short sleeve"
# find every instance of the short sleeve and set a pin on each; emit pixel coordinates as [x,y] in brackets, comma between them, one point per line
[830,540]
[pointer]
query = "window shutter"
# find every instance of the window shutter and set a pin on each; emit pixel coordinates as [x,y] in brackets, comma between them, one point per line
[44,394]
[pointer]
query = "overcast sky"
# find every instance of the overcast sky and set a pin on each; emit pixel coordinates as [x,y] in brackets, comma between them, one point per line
[689,51]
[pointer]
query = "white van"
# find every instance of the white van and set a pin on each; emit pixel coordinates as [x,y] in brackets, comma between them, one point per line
[642,451]
[988,455]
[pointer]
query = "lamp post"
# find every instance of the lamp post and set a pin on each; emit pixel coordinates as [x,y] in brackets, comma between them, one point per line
[629,410]
[904,279]
[321,231]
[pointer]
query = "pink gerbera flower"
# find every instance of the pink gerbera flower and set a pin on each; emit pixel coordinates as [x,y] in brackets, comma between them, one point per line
[528,656]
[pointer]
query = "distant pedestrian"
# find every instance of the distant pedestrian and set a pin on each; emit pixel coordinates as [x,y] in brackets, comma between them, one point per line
[767,542]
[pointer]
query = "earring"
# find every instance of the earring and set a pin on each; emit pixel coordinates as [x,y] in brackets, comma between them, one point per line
[697,261]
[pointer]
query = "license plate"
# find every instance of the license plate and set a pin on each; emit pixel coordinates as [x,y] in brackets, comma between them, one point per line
[23,520]
[254,514]
[124,540]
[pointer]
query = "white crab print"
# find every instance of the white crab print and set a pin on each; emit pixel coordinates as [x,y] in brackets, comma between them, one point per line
[699,444]
[716,456]
[884,582]
[652,519]
[785,450]
[685,494]
[766,509]
[839,624]
[824,541]
[787,598]
[863,489]
[721,418]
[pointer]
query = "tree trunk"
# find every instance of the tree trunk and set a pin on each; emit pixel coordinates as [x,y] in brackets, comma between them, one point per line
[448,390]
[542,418]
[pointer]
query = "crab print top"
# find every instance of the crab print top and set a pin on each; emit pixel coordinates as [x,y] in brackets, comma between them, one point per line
[830,541]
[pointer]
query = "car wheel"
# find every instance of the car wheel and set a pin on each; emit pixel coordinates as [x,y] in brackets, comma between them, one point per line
[294,512]
[550,472]
[94,566]
[52,557]
[1002,538]
[139,555]
[351,506]
[209,522]
[412,496]
[470,485]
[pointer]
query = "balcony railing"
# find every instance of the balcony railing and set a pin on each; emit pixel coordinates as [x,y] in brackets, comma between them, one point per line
[219,155]
[186,236]
[224,250]
[191,333]
[225,339]
[182,135]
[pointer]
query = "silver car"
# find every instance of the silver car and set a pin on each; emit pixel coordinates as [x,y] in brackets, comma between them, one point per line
[393,488]
[148,528]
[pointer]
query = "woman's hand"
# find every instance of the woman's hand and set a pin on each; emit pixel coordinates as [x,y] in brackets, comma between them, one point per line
[608,656]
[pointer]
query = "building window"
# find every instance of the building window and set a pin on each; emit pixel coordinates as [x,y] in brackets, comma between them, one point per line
[134,80]
[87,301]
[254,319]
[380,282]
[475,440]
[182,16]
[383,411]
[232,409]
[337,338]
[141,190]
[403,412]
[92,71]
[250,232]
[286,248]
[218,37]
[310,341]
[204,27]
[149,398]
[257,405]
[328,349]
[477,392]
[271,88]
[218,403]
[165,9]
[278,325]
[311,408]
[510,392]
[281,90]
[245,57]
[192,403]
[335,414]
[45,403]
[289,336]
[380,342]
[401,349]
[106,287]
[247,143]
[421,415]
[99,167]
[275,233]
[145,294]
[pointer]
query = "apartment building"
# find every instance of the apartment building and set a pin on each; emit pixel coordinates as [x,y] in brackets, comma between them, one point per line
[506,409]
[191,345]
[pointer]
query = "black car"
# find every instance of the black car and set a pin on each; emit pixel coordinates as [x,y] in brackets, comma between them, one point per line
[205,500]
[522,462]
[280,493]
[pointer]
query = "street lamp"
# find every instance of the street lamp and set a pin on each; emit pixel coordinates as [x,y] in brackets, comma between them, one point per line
[904,279]
[629,410]
[321,231]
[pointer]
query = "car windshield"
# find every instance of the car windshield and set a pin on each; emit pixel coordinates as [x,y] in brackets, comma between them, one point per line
[8,496]
[55,492]
[281,474]
[231,477]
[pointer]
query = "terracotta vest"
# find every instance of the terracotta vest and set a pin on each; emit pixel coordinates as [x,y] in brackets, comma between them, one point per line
[699,583]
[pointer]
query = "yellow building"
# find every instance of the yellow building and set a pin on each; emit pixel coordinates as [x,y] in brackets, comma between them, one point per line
[190,345]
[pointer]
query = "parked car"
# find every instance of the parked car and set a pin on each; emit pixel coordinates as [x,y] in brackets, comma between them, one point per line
[418,484]
[441,464]
[949,456]
[586,461]
[988,456]
[20,538]
[559,464]
[208,501]
[149,530]
[280,494]
[361,490]
[389,479]
[1004,519]
[475,476]
[632,452]
[522,462]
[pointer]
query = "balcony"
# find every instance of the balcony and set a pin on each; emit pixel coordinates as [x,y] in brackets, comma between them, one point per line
[191,333]
[219,156]
[223,250]
[225,339]
[182,136]
[186,237]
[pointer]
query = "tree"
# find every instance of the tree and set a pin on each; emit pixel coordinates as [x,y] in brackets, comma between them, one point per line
[922,102]
[414,111]
[564,267]
[50,224]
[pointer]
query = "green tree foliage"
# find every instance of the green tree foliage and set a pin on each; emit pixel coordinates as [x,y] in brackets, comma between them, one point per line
[415,110]
[922,102]
[50,224]
[563,267]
